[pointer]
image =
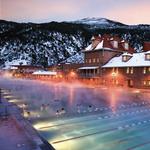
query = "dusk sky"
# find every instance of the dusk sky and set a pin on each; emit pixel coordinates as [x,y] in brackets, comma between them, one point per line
[125,11]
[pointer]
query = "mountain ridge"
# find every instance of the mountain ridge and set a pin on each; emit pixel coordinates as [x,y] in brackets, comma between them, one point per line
[55,42]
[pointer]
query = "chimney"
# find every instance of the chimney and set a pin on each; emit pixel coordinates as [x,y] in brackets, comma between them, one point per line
[95,41]
[146,46]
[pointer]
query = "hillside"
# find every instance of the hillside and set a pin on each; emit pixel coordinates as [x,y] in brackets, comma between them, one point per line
[52,43]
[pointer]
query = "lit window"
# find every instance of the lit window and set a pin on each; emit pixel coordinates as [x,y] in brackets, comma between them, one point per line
[147,56]
[144,82]
[115,44]
[104,81]
[113,69]
[149,83]
[131,82]
[97,60]
[116,70]
[144,70]
[131,70]
[128,70]
[148,69]
[89,60]
[94,60]
[124,58]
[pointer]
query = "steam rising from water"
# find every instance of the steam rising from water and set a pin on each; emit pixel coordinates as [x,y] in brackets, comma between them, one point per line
[46,99]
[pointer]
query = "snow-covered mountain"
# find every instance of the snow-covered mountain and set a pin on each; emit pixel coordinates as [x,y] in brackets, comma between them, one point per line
[52,43]
[99,22]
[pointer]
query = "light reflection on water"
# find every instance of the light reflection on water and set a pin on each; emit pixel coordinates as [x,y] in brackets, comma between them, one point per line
[61,111]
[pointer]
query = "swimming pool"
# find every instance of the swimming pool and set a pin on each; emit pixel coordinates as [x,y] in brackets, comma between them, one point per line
[85,118]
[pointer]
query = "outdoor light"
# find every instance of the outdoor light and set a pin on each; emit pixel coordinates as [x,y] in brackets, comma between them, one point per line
[61,76]
[72,74]
[114,74]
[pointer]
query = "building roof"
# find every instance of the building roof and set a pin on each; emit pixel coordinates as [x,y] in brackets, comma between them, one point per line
[148,52]
[100,45]
[106,42]
[137,60]
[89,47]
[127,54]
[42,72]
[86,68]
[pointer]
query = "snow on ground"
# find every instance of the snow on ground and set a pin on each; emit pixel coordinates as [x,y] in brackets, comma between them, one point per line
[77,58]
[8,64]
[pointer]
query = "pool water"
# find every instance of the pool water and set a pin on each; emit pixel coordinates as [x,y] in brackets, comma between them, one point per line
[83,118]
[127,128]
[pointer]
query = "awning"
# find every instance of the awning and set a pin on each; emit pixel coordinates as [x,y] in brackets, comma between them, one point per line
[87,68]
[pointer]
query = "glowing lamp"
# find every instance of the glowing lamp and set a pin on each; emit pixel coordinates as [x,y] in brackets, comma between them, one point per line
[114,74]
[72,74]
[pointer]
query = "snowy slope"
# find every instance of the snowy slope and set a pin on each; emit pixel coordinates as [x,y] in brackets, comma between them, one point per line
[99,22]
[53,43]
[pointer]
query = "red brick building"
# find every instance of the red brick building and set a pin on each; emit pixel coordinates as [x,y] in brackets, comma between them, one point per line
[112,61]
[99,52]
[131,70]
[146,46]
[108,60]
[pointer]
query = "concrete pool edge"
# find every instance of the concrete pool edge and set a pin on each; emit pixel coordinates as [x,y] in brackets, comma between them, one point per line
[32,134]
[23,124]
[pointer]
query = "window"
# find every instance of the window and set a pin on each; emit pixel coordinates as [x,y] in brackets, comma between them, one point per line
[89,60]
[116,70]
[124,58]
[147,56]
[126,46]
[131,82]
[144,70]
[148,69]
[115,44]
[130,70]
[94,60]
[144,82]
[97,60]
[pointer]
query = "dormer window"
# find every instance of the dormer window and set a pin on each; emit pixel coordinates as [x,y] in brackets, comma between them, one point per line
[126,57]
[126,46]
[115,44]
[147,56]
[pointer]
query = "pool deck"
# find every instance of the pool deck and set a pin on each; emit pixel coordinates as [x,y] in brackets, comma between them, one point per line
[17,132]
